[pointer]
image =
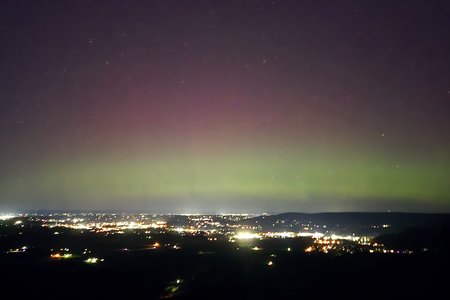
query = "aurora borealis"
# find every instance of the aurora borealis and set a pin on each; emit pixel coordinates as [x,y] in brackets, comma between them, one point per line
[193,106]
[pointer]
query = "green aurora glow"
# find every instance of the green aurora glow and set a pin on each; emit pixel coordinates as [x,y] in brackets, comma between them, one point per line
[295,177]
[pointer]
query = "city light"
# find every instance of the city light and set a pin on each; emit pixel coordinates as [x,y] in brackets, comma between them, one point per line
[247,235]
[155,245]
[5,217]
[18,250]
[92,260]
[61,256]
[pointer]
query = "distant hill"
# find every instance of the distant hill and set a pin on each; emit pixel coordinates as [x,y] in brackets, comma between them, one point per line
[360,222]
[417,239]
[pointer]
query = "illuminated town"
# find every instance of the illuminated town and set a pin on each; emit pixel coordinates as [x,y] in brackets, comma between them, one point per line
[242,231]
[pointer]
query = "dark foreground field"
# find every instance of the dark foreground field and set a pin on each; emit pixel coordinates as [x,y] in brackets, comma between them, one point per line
[236,275]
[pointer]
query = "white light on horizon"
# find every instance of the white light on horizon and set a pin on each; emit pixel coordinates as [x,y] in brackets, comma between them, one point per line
[246,235]
[4,217]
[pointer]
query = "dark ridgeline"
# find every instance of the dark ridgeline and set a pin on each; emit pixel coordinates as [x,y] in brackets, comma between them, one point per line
[362,219]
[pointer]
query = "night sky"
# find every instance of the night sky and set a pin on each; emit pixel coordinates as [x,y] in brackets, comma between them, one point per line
[220,106]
